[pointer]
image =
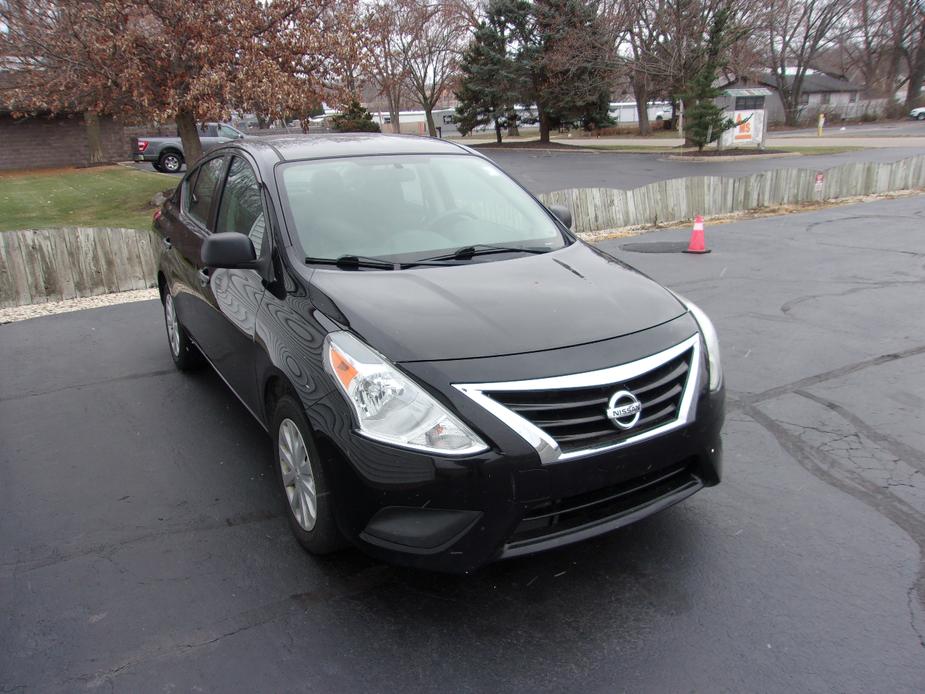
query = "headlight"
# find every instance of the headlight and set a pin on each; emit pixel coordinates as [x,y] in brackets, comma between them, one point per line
[389,406]
[711,341]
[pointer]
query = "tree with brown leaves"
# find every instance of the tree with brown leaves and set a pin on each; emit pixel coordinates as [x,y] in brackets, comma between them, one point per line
[171,59]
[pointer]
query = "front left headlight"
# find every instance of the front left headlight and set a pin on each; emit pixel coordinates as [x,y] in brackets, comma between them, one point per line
[710,340]
[389,406]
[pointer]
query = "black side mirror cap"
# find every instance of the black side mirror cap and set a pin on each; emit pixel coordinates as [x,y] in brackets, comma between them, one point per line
[228,249]
[563,214]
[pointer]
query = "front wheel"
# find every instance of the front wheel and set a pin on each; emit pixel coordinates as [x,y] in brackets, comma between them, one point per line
[170,162]
[301,476]
[185,354]
[921,116]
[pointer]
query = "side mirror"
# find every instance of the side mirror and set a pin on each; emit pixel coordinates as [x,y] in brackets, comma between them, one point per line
[563,214]
[228,249]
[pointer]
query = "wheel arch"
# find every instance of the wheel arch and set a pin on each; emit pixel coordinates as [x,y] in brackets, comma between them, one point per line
[161,284]
[275,386]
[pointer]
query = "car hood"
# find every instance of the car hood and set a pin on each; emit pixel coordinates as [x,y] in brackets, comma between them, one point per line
[525,304]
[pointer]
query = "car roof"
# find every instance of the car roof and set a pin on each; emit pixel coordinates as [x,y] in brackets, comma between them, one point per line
[298,147]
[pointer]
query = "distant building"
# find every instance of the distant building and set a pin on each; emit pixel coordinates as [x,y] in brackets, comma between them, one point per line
[822,93]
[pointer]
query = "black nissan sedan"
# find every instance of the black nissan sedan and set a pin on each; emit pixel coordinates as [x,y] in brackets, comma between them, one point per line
[449,375]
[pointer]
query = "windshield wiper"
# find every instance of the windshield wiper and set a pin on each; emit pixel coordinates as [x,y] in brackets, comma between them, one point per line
[350,262]
[467,252]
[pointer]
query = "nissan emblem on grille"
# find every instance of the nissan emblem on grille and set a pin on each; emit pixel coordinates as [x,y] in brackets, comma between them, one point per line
[624,409]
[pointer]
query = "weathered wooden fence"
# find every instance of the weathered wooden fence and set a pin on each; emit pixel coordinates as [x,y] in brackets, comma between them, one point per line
[681,199]
[54,264]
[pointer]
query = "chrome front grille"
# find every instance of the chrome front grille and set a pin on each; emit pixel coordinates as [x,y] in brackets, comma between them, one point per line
[566,416]
[576,418]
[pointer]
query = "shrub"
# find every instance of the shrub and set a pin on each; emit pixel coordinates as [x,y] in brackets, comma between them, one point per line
[354,119]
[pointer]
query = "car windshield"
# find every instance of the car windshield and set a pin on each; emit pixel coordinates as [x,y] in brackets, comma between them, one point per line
[406,208]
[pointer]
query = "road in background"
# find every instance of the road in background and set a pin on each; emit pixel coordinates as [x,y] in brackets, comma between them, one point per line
[546,171]
[903,128]
[144,547]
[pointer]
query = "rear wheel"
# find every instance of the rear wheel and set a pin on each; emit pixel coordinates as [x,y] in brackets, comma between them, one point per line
[156,166]
[170,162]
[921,116]
[185,354]
[302,479]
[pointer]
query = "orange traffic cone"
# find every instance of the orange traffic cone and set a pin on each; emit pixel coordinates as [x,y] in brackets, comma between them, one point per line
[697,243]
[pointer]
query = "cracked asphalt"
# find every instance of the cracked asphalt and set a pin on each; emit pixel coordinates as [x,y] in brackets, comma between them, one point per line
[142,547]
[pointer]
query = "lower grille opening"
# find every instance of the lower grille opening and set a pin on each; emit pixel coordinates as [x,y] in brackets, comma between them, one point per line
[547,519]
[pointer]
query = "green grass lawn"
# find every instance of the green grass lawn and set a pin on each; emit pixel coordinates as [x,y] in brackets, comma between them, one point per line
[109,196]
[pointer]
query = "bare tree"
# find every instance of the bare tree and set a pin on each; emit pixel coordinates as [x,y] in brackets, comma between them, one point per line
[431,48]
[913,49]
[796,31]
[644,32]
[387,66]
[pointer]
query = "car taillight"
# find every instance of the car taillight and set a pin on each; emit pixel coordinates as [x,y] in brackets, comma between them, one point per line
[142,145]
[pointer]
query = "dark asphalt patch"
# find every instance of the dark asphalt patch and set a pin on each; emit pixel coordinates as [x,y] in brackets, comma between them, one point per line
[655,247]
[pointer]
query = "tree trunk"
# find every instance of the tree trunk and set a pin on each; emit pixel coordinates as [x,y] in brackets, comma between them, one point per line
[189,137]
[544,125]
[261,122]
[94,140]
[497,131]
[431,126]
[642,107]
[512,129]
[393,100]
[916,76]
[790,99]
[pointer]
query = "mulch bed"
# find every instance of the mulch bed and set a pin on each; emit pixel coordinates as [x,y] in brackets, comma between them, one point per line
[730,153]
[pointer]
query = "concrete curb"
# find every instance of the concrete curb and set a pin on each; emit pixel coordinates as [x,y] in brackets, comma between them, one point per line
[740,157]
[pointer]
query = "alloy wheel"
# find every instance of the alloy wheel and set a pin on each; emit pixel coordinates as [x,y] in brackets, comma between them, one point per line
[171,163]
[298,478]
[173,327]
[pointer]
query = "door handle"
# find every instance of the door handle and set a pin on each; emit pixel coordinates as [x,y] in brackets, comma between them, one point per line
[204,277]
[167,244]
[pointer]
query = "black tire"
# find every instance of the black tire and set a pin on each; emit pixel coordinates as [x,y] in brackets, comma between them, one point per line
[157,167]
[170,162]
[186,356]
[323,537]
[921,116]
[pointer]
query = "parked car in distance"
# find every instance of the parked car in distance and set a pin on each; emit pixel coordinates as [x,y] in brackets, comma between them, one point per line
[918,113]
[166,153]
[448,375]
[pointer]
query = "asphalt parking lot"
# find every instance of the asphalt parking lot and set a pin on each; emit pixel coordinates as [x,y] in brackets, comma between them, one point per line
[144,550]
[546,171]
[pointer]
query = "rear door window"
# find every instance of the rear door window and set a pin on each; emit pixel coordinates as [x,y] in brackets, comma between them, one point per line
[228,131]
[241,209]
[202,189]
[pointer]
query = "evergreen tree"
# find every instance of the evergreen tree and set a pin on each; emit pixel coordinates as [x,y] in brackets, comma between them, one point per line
[354,119]
[705,121]
[492,82]
[574,62]
[551,53]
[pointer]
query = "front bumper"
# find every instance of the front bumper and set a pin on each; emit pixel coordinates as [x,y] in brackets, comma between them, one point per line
[456,515]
